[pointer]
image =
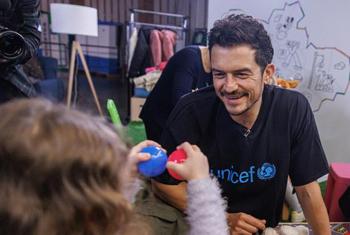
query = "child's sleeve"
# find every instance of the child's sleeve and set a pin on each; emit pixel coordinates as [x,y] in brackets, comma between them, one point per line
[206,211]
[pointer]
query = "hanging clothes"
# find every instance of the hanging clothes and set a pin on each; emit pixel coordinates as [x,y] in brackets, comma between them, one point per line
[162,45]
[132,45]
[142,57]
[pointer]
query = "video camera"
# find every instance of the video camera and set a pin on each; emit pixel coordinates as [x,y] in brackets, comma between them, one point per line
[12,44]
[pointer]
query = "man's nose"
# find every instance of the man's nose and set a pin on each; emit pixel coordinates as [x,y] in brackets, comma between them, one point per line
[231,83]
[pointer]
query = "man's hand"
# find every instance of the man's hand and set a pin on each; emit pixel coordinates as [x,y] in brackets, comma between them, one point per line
[242,223]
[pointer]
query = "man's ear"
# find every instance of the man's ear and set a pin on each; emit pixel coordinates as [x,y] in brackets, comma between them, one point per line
[269,73]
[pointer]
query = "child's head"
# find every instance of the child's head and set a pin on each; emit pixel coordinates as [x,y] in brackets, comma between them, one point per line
[61,172]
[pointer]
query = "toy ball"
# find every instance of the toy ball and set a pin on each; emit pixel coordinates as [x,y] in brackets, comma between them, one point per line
[178,156]
[156,164]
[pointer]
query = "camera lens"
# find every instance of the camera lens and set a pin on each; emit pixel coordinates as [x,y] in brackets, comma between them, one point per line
[12,45]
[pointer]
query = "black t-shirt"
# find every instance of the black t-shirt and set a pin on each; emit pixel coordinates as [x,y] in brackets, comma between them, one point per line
[183,73]
[252,167]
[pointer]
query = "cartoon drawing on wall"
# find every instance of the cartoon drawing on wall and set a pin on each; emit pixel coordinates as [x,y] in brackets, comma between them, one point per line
[317,62]
[321,71]
[298,76]
[292,48]
[324,82]
[339,66]
[277,18]
[283,28]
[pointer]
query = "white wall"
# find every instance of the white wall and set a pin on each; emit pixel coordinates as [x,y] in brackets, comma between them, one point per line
[312,43]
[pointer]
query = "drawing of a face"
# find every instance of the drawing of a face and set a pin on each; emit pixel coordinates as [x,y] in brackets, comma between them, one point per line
[283,28]
[288,24]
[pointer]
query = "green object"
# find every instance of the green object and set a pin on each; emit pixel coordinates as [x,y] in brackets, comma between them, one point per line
[323,186]
[136,132]
[113,113]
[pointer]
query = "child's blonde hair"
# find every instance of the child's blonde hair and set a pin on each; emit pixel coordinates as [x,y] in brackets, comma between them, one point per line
[61,172]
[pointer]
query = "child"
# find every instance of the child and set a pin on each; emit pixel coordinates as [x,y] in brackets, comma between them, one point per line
[65,172]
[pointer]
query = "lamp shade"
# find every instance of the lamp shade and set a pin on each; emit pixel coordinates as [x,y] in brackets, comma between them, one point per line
[73,19]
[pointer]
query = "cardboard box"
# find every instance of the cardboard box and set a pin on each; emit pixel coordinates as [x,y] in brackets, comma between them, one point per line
[136,105]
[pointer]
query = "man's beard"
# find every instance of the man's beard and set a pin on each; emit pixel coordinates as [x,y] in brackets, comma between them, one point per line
[238,95]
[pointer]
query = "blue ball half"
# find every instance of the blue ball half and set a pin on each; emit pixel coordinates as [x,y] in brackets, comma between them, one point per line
[156,164]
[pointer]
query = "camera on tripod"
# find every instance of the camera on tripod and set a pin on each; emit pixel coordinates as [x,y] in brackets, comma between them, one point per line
[12,44]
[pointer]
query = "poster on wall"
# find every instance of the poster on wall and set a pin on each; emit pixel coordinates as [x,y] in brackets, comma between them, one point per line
[311,44]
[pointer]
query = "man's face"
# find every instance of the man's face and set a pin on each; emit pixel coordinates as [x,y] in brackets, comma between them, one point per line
[238,80]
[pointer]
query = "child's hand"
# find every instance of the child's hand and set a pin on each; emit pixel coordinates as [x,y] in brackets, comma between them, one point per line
[194,167]
[135,155]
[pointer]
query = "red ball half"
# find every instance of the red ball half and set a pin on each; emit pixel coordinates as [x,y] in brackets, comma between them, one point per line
[178,156]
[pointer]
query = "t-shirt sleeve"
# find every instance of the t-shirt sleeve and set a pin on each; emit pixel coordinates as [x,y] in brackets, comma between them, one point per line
[308,160]
[181,126]
[169,143]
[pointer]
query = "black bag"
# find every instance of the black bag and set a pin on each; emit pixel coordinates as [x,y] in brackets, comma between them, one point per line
[344,203]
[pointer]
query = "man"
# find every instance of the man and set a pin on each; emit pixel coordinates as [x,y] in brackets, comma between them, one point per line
[21,16]
[253,134]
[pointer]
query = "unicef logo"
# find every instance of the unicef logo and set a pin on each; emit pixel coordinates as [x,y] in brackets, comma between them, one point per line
[266,171]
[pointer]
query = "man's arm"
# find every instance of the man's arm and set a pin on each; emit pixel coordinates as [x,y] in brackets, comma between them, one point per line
[175,195]
[314,208]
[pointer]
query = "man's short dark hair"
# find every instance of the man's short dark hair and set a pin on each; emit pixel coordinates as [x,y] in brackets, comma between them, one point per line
[234,30]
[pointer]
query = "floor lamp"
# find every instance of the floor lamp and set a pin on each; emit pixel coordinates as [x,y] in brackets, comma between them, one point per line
[76,20]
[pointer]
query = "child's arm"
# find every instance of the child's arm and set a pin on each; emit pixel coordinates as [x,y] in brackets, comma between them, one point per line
[206,209]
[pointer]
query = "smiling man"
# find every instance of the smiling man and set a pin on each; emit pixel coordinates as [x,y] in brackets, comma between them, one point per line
[253,134]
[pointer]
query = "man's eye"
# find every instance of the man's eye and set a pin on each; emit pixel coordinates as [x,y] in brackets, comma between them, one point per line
[242,75]
[219,75]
